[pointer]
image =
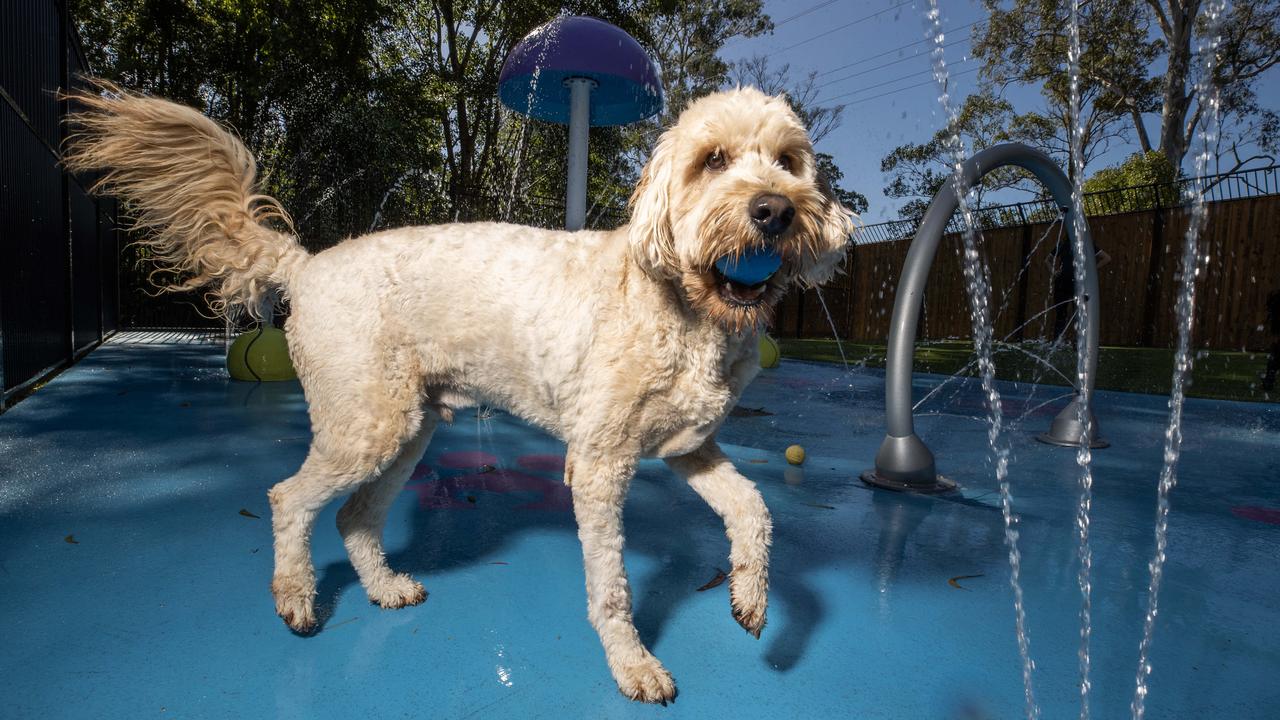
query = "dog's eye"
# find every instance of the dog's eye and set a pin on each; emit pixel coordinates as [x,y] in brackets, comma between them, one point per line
[785,162]
[716,161]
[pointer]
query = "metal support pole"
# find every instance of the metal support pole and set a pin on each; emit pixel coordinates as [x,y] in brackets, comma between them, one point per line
[904,462]
[575,204]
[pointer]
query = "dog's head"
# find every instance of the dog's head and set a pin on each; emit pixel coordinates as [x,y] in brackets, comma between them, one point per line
[736,172]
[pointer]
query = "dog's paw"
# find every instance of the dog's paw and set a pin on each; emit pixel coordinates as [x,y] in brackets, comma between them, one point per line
[397,591]
[295,603]
[749,598]
[646,680]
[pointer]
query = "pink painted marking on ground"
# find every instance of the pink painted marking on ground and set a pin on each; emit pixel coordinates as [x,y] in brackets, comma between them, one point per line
[1270,516]
[467,459]
[450,492]
[541,463]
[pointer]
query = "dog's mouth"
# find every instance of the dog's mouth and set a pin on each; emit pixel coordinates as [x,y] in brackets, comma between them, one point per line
[738,294]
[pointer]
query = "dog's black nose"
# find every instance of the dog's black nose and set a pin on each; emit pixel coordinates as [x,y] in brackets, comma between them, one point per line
[772,213]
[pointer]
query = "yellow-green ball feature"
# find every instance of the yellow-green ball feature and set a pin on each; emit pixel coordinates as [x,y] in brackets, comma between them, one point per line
[260,355]
[795,455]
[770,355]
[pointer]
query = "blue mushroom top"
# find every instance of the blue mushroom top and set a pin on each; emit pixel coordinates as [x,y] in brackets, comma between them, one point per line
[628,86]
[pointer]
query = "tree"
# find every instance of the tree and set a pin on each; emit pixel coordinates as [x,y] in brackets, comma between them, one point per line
[1121,41]
[295,79]
[831,174]
[1149,168]
[687,36]
[1027,44]
[918,170]
[1138,183]
[371,113]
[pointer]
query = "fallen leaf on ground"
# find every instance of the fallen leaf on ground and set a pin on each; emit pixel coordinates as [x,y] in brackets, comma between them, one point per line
[715,581]
[246,513]
[955,581]
[72,539]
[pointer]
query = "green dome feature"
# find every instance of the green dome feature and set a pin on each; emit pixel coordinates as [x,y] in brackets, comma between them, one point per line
[769,353]
[260,355]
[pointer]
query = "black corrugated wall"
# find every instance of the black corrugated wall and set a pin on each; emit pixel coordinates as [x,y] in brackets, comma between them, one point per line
[59,253]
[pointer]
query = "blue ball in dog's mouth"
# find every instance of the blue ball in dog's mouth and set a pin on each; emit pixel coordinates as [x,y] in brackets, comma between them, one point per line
[744,275]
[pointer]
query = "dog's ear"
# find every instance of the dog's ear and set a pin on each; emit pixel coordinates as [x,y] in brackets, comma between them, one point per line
[831,245]
[649,230]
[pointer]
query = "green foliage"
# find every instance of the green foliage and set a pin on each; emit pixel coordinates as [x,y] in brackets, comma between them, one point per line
[686,37]
[851,199]
[1137,169]
[377,113]
[1137,59]
[1141,182]
[1026,42]
[297,79]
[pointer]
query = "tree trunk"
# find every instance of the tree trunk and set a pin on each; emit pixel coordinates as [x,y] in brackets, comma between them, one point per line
[1177,100]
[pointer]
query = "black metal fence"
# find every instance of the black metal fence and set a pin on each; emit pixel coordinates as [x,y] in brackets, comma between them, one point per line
[1255,182]
[59,246]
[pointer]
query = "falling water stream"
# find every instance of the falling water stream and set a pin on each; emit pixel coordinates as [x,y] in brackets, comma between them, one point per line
[1192,259]
[1084,554]
[979,304]
[979,298]
[834,333]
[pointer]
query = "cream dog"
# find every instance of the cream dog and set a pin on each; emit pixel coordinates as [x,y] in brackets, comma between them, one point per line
[624,344]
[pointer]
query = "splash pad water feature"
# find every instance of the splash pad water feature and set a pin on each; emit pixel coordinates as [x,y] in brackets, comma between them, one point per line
[904,462]
[581,72]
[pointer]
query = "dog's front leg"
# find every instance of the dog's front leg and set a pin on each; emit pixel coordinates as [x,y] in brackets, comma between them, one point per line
[747,523]
[599,487]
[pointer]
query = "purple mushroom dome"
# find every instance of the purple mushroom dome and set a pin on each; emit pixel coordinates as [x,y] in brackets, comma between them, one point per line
[628,85]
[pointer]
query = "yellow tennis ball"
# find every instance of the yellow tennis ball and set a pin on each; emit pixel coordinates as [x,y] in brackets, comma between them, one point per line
[769,352]
[795,454]
[260,355]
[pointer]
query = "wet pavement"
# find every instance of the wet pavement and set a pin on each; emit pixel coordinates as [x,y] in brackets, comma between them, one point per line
[135,559]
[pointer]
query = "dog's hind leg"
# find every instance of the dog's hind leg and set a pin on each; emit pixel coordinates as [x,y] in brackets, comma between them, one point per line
[361,520]
[357,438]
[747,523]
[599,488]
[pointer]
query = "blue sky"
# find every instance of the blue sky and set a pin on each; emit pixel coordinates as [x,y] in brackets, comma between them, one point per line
[886,104]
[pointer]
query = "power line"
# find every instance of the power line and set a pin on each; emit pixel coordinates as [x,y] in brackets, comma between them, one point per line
[882,84]
[883,65]
[859,101]
[865,18]
[797,16]
[877,56]
[802,13]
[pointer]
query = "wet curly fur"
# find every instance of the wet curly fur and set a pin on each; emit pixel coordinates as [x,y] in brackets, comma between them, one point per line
[625,344]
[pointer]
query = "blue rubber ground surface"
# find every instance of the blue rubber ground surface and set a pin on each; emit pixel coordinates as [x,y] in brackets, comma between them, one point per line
[146,456]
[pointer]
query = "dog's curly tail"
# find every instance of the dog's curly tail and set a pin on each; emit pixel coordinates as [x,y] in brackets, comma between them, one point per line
[189,185]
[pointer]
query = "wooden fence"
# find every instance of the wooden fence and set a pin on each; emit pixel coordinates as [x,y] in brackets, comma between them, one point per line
[1139,283]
